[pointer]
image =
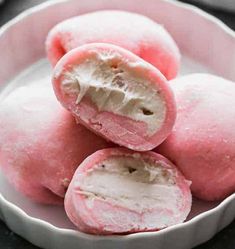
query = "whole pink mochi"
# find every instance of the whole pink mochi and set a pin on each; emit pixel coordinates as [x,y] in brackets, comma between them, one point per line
[134,32]
[116,191]
[202,143]
[116,94]
[40,144]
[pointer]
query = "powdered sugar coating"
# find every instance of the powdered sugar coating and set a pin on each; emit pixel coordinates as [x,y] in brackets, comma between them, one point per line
[40,143]
[202,143]
[134,32]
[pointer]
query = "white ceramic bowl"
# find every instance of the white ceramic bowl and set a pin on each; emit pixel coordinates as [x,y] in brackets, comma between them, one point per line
[207,45]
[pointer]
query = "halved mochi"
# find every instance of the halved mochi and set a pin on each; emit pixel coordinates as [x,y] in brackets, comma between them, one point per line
[134,32]
[116,94]
[118,191]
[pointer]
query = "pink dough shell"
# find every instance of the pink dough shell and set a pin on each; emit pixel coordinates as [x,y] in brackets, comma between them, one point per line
[119,129]
[202,143]
[41,145]
[131,31]
[97,214]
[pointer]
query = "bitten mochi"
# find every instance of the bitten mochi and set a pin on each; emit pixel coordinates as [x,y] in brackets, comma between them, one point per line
[202,143]
[40,144]
[116,191]
[131,31]
[116,94]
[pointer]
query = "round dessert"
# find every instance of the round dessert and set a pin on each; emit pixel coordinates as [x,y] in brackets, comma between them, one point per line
[202,143]
[41,145]
[134,32]
[118,191]
[116,94]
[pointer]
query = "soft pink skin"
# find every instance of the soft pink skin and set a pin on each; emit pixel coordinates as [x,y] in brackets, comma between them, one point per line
[116,128]
[202,143]
[134,32]
[41,144]
[92,219]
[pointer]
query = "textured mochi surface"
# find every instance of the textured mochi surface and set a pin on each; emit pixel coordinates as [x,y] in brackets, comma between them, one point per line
[116,94]
[131,31]
[202,143]
[40,143]
[118,191]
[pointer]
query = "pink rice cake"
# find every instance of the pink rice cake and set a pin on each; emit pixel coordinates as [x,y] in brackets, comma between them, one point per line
[116,94]
[202,143]
[136,33]
[118,191]
[41,145]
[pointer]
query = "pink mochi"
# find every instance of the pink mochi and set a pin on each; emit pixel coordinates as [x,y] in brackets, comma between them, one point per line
[41,145]
[118,191]
[202,143]
[116,94]
[134,32]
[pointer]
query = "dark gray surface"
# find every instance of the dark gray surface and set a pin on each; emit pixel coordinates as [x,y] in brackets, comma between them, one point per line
[9,240]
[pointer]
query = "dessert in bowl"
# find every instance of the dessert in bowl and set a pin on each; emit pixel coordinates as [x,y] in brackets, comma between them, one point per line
[58,232]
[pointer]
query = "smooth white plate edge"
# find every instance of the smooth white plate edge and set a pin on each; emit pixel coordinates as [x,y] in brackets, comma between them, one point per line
[223,205]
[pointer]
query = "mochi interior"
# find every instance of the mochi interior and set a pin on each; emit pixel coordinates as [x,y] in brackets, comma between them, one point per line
[131,183]
[115,85]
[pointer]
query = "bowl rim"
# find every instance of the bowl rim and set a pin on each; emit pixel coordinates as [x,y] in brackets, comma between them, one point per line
[52,228]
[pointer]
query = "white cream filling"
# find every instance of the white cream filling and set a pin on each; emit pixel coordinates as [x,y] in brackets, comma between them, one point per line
[116,88]
[132,183]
